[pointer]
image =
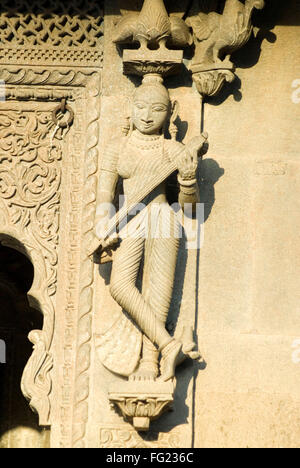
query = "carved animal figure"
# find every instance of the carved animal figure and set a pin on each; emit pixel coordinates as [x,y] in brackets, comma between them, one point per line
[215,34]
[153,27]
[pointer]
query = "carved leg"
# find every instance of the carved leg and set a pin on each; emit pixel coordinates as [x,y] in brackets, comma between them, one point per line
[163,259]
[162,271]
[123,289]
[161,249]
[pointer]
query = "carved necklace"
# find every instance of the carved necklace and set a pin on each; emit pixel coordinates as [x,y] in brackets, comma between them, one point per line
[147,142]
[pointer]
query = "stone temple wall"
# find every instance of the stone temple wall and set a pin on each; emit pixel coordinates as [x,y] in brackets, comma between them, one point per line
[249,321]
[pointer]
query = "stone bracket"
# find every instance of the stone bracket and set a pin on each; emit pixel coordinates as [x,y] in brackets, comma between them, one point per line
[142,402]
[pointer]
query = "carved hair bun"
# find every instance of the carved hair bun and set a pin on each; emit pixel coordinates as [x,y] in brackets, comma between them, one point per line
[153,79]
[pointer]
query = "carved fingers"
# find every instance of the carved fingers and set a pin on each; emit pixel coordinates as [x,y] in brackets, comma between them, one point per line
[98,245]
[111,241]
[198,145]
[188,162]
[93,246]
[187,165]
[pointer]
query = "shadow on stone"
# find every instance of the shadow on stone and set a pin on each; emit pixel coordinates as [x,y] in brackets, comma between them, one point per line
[208,175]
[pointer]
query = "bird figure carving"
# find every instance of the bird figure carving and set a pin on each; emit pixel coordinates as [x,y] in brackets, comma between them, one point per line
[153,27]
[216,34]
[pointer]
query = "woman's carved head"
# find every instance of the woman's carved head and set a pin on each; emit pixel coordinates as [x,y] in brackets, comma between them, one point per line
[151,105]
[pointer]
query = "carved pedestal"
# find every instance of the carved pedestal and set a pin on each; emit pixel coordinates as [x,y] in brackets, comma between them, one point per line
[142,402]
[165,62]
[210,80]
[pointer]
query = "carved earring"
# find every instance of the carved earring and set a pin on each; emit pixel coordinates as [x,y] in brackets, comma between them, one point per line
[173,129]
[125,127]
[127,124]
[130,126]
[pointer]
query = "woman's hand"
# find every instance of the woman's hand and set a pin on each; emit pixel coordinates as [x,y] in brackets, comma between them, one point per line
[188,162]
[100,244]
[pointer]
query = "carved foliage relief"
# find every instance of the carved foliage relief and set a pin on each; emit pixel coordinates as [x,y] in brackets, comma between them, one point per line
[30,177]
[51,22]
[51,30]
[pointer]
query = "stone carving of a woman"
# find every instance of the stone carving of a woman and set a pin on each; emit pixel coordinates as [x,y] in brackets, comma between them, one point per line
[138,345]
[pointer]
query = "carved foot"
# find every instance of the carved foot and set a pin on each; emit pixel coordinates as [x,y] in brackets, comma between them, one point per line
[176,352]
[188,344]
[143,375]
[172,356]
[147,371]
